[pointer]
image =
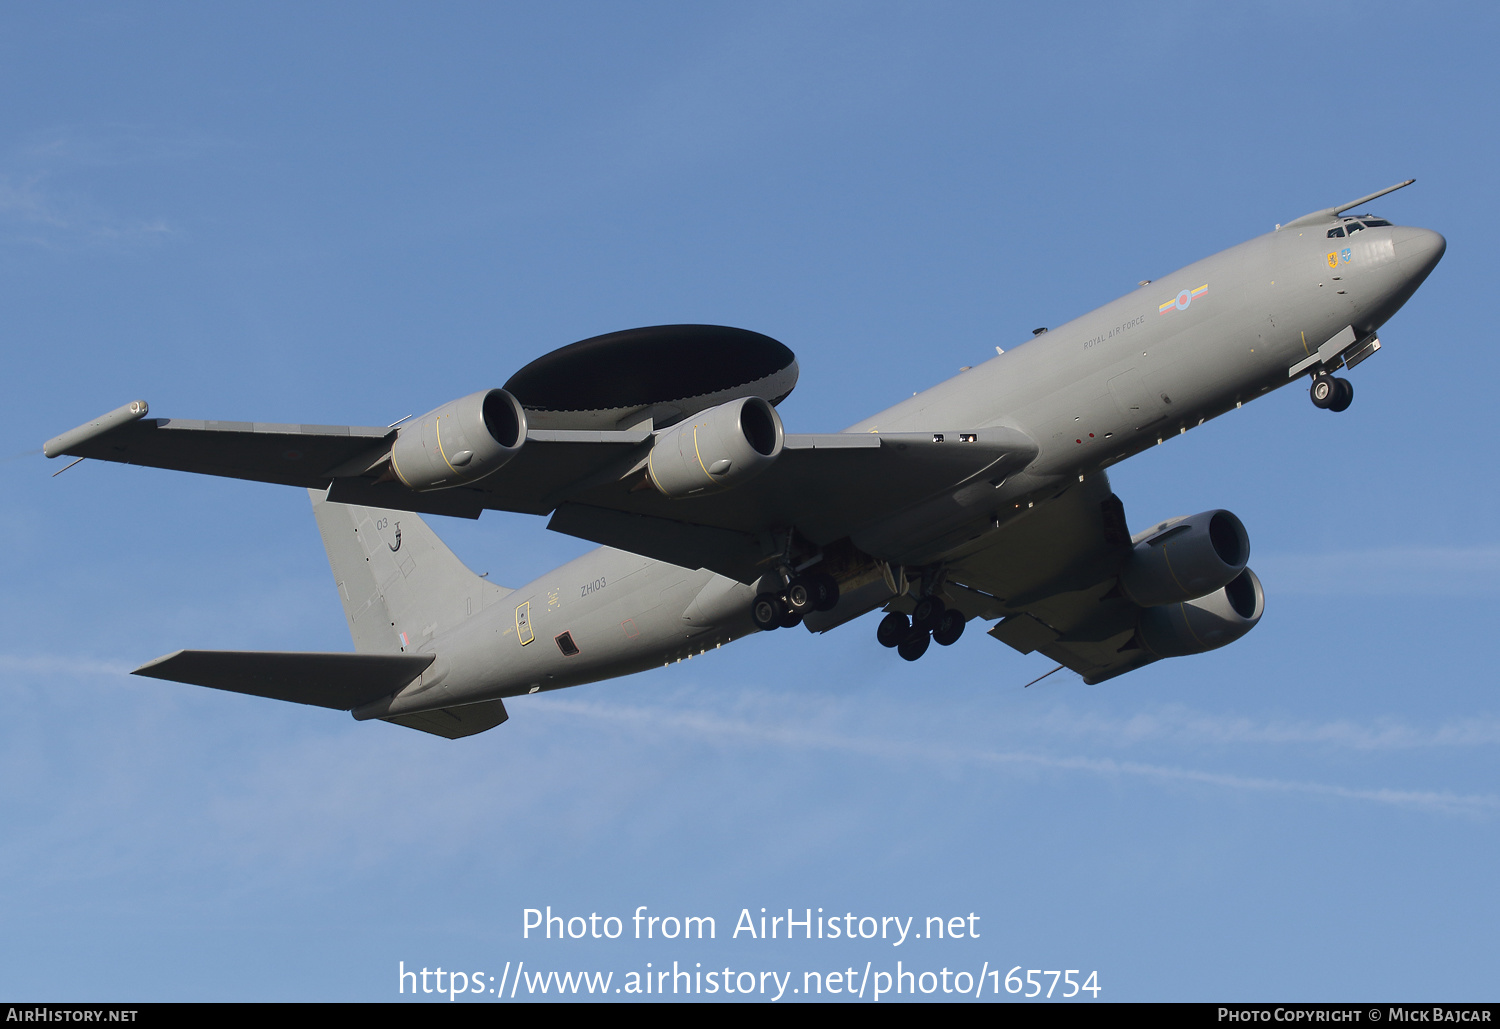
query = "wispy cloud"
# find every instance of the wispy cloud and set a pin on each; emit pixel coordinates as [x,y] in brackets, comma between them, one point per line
[35,211]
[48,664]
[109,147]
[1431,800]
[1183,725]
[42,204]
[1164,724]
[1387,571]
[707,724]
[328,791]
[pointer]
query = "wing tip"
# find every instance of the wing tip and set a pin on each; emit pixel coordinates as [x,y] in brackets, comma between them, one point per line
[146,669]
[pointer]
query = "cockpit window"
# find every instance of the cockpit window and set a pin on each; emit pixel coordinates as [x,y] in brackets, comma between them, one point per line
[1375,222]
[1336,232]
[1353,227]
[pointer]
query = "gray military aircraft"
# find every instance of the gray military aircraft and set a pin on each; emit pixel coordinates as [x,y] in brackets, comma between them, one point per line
[984,497]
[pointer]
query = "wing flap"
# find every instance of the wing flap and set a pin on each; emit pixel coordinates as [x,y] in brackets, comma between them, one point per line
[1097,646]
[457,502]
[1024,633]
[339,681]
[1052,576]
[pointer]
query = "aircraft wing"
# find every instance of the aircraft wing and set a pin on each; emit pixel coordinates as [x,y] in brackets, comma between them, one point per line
[294,455]
[341,456]
[825,487]
[1051,578]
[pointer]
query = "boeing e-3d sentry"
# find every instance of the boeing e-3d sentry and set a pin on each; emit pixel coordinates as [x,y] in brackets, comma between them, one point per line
[984,497]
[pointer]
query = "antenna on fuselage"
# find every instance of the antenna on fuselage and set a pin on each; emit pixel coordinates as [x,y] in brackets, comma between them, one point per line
[1333,212]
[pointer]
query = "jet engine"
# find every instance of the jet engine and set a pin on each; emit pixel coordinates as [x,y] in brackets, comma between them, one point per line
[1186,558]
[1207,623]
[716,449]
[460,442]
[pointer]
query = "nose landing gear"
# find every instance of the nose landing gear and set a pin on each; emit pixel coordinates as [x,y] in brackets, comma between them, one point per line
[1331,394]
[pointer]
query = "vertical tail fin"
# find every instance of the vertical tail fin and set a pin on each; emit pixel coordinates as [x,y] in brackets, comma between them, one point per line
[399,584]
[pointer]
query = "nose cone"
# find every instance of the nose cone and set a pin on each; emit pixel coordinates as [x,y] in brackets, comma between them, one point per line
[1418,251]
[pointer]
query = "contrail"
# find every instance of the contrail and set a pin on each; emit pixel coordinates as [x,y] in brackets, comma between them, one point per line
[703,723]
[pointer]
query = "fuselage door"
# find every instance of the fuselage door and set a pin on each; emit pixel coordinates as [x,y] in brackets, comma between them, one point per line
[524,632]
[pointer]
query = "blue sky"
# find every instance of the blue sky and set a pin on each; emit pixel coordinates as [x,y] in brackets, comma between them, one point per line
[350,213]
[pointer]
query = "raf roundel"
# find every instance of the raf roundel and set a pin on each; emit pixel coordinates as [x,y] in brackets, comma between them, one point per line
[1181,301]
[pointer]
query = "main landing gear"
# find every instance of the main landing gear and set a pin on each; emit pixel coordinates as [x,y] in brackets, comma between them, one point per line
[1331,394]
[815,591]
[931,622]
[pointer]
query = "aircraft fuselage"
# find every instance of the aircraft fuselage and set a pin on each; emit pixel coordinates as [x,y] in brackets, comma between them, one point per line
[1158,361]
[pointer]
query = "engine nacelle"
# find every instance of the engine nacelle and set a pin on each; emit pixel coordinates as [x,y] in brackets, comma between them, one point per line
[460,442]
[1207,623]
[1186,558]
[716,449]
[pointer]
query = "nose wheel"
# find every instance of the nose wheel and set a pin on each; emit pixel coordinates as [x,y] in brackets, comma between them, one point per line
[1331,394]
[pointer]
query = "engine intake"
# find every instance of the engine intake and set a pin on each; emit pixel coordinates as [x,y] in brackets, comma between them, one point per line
[1204,624]
[716,449]
[460,442]
[1186,558]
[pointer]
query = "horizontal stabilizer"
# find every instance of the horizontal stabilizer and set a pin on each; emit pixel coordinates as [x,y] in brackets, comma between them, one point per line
[341,681]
